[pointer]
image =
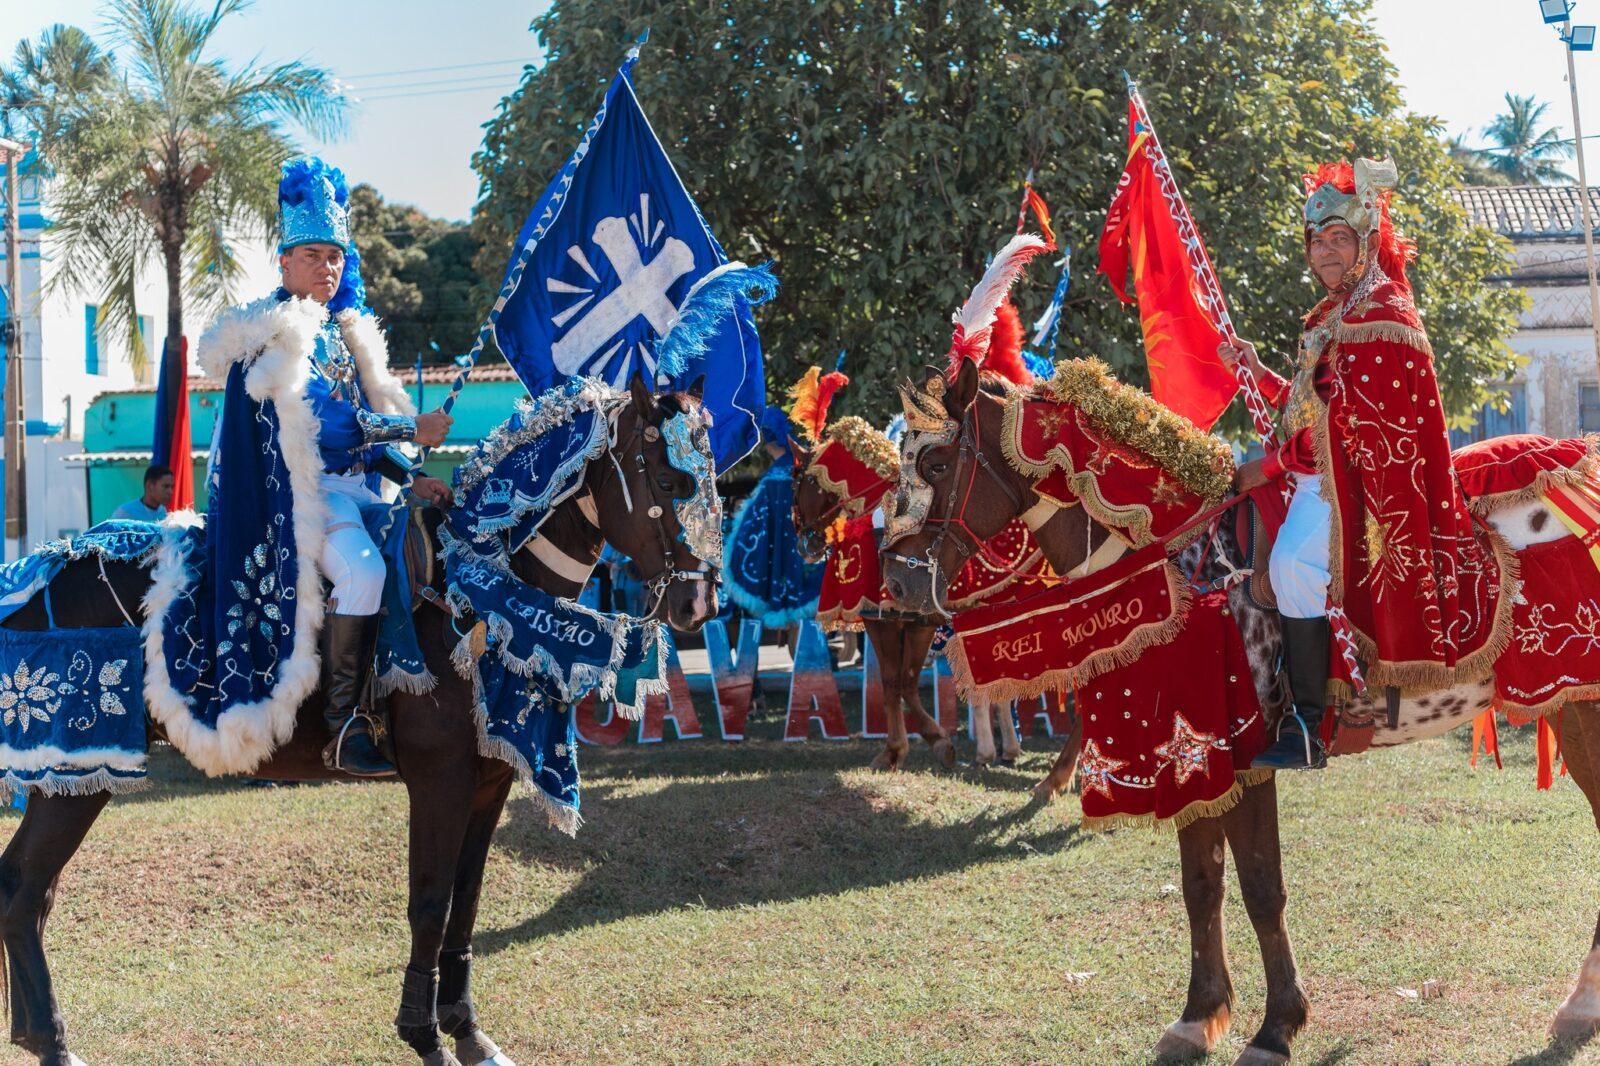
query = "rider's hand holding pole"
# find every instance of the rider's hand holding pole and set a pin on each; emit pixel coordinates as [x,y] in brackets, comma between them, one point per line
[432,428]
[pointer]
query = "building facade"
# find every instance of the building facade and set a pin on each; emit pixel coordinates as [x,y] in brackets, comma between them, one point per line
[1557,390]
[68,359]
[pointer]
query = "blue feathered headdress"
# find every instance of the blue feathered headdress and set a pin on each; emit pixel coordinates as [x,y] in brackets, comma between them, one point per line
[314,208]
[713,298]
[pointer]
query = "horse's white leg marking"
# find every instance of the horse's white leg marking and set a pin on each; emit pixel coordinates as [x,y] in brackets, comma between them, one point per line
[1010,744]
[982,729]
[1579,1016]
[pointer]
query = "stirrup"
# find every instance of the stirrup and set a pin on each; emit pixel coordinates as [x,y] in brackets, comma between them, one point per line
[1315,756]
[333,754]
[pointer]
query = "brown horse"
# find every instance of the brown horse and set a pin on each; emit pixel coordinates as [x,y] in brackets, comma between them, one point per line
[974,492]
[900,642]
[456,793]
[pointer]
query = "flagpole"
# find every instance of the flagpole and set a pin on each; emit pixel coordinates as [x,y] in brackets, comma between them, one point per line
[1022,209]
[508,288]
[1210,296]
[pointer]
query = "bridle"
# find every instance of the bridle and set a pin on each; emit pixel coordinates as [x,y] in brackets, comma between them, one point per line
[821,523]
[657,582]
[951,517]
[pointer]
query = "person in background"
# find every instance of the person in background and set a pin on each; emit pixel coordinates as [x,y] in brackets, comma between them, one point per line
[152,506]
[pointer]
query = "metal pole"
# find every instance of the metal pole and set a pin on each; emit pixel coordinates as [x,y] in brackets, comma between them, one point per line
[16,497]
[1583,200]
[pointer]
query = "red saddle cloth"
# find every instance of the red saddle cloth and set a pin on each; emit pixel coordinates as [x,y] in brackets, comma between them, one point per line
[1171,736]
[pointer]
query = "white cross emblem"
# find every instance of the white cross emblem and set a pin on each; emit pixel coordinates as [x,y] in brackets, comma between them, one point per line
[641,291]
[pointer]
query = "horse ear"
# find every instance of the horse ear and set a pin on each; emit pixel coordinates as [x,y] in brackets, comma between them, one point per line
[959,396]
[698,388]
[640,390]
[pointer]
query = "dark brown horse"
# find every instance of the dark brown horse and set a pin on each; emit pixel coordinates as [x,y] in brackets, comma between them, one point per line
[456,794]
[901,643]
[973,498]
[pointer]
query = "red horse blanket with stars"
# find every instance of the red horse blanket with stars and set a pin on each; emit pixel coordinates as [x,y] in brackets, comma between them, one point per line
[1170,738]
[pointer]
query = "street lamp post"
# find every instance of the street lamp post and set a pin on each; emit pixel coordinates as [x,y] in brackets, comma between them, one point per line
[1578,39]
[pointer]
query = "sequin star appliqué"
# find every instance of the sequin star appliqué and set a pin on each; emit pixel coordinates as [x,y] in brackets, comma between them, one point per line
[1095,769]
[1188,750]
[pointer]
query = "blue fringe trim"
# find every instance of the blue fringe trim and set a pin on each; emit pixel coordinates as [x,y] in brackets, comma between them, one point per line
[711,300]
[756,608]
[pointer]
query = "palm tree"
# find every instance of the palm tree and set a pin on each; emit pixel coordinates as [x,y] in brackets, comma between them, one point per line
[163,160]
[1528,154]
[1474,163]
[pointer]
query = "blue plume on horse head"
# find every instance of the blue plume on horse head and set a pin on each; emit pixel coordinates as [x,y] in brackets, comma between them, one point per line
[712,299]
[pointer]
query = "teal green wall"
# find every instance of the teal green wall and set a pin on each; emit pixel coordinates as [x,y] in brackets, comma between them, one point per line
[124,422]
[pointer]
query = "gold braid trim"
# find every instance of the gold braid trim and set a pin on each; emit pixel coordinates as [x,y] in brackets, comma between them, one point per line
[1198,461]
[1190,814]
[1132,520]
[1103,661]
[1417,676]
[1571,694]
[871,446]
[853,506]
[1577,473]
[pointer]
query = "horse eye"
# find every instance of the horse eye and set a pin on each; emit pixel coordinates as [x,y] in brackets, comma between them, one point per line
[664,483]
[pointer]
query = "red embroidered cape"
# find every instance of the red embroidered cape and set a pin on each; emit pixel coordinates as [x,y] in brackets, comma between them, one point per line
[1420,583]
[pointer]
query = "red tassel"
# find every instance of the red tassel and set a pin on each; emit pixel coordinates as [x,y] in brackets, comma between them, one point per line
[1486,736]
[1547,747]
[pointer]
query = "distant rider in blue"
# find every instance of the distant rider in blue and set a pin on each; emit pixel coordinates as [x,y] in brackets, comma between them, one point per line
[349,369]
[763,571]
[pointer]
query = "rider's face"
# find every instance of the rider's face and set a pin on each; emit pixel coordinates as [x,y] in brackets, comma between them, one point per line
[1332,251]
[312,270]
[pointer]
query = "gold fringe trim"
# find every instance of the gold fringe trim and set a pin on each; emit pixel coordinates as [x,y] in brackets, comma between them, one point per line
[1186,817]
[1577,473]
[1384,330]
[853,507]
[1197,460]
[1101,662]
[868,444]
[1570,694]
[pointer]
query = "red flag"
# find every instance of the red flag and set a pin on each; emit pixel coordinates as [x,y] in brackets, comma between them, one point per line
[171,443]
[1146,229]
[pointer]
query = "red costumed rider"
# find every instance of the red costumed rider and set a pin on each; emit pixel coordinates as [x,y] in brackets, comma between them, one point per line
[1377,527]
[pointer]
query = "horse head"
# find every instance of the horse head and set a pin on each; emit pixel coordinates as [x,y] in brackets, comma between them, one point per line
[1081,459]
[842,477]
[655,499]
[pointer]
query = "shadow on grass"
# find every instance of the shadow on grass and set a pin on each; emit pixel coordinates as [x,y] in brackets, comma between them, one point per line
[738,840]
[1559,1051]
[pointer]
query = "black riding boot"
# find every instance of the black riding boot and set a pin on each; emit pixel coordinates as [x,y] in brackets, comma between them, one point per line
[1299,742]
[348,644]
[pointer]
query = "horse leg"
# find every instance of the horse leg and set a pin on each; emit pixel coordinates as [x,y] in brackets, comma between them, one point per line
[982,731]
[457,1017]
[1579,1017]
[441,790]
[51,831]
[1010,743]
[889,645]
[1209,1007]
[1252,828]
[918,639]
[1059,779]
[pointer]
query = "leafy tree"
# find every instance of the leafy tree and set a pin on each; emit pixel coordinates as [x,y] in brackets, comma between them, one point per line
[1529,155]
[875,150]
[163,157]
[419,276]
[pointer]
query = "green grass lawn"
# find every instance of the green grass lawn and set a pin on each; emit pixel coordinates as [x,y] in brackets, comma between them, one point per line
[779,903]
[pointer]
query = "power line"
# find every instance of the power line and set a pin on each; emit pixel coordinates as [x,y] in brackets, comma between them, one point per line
[434,70]
[435,92]
[358,89]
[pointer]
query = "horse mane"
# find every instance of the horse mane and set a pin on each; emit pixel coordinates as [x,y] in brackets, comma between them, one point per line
[1198,461]
[868,444]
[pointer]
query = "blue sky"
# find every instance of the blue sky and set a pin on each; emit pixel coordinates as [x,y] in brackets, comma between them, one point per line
[415,131]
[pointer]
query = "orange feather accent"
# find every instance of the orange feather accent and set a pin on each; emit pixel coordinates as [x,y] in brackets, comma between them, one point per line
[813,395]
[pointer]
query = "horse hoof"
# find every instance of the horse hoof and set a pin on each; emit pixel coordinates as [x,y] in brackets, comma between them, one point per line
[885,763]
[1573,1026]
[944,753]
[1045,792]
[440,1057]
[1255,1056]
[1188,1039]
[479,1050]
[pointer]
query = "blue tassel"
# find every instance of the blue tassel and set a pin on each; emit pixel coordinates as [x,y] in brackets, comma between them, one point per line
[1039,366]
[702,313]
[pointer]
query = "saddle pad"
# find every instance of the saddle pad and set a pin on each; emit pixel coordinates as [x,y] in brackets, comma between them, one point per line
[1518,467]
[71,713]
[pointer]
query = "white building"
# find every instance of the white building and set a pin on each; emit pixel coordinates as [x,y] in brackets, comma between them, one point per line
[66,362]
[1557,391]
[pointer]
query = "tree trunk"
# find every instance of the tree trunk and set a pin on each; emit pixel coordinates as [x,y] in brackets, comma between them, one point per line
[172,254]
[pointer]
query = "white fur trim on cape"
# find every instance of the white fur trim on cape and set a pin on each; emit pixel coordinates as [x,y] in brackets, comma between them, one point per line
[275,340]
[364,337]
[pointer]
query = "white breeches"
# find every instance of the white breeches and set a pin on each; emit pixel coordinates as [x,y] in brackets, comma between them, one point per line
[1299,565]
[349,557]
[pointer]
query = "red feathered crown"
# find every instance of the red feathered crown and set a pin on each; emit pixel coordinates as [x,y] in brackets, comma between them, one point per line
[1358,196]
[988,328]
[813,395]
